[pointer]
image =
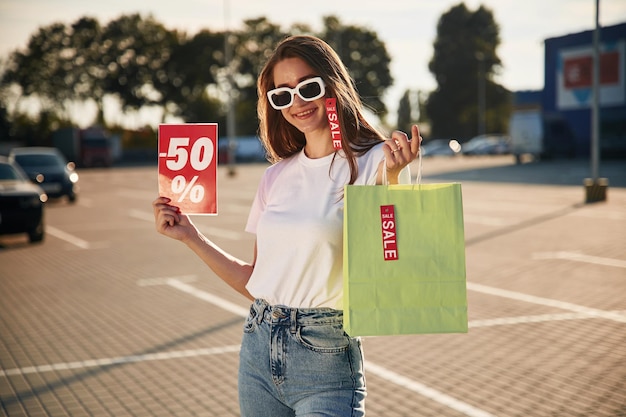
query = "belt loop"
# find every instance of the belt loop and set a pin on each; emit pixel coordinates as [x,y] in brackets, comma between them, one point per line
[294,320]
[261,307]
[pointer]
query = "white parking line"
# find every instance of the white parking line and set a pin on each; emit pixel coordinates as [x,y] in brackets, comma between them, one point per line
[219,232]
[96,363]
[209,231]
[580,257]
[425,391]
[137,194]
[236,208]
[489,220]
[181,283]
[539,318]
[163,281]
[378,370]
[604,214]
[514,295]
[141,215]
[208,297]
[83,244]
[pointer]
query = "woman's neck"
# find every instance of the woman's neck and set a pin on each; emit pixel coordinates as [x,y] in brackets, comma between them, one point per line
[318,144]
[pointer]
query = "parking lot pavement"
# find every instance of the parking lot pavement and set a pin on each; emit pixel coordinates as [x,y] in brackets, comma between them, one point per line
[108,318]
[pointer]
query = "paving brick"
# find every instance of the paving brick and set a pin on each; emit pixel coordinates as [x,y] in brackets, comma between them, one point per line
[74,307]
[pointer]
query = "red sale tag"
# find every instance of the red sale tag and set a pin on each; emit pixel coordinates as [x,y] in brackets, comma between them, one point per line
[188,166]
[333,121]
[390,243]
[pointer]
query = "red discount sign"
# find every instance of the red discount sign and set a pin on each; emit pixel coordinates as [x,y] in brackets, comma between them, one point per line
[188,166]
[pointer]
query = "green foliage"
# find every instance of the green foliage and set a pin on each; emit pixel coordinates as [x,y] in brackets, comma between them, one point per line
[48,69]
[252,46]
[465,52]
[5,124]
[140,63]
[404,113]
[135,50]
[184,77]
[366,58]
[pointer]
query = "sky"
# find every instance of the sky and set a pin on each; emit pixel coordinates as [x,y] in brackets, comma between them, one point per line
[408,27]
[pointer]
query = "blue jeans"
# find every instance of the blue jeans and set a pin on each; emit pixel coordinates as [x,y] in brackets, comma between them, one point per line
[299,362]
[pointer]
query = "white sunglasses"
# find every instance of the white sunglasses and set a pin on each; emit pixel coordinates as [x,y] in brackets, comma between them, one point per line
[308,90]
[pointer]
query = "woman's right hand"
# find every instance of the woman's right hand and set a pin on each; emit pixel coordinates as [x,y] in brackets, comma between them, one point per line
[169,220]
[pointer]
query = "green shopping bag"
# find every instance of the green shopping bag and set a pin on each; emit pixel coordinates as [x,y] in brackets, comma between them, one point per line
[404,260]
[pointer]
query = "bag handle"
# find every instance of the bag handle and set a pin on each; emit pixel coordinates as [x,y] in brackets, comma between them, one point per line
[418,179]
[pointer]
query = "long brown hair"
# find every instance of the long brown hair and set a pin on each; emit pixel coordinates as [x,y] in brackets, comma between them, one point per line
[280,138]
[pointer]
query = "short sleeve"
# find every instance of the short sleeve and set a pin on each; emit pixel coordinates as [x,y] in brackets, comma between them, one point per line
[258,206]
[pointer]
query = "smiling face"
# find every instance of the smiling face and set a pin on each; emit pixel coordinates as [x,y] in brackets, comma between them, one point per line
[307,116]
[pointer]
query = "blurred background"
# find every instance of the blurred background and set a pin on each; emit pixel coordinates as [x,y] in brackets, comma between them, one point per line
[515,75]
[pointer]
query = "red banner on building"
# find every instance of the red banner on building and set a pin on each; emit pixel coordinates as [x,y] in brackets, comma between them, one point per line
[578,71]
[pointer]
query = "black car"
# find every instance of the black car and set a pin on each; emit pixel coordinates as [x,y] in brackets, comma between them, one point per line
[48,168]
[21,203]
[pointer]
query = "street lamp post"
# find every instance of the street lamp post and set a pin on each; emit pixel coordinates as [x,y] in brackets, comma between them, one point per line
[480,57]
[230,115]
[595,187]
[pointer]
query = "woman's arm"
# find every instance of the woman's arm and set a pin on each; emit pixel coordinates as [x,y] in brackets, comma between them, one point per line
[170,222]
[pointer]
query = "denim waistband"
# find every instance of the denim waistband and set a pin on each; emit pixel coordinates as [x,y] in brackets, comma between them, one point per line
[263,311]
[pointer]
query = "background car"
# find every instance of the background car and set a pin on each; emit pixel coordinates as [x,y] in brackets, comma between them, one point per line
[440,147]
[21,203]
[247,149]
[48,168]
[487,145]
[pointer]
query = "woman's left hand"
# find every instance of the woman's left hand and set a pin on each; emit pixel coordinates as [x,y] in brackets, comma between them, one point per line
[400,151]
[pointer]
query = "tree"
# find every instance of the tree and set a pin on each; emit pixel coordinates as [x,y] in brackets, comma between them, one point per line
[253,46]
[135,49]
[54,72]
[366,58]
[44,69]
[465,54]
[362,52]
[68,64]
[141,63]
[405,112]
[5,125]
[184,79]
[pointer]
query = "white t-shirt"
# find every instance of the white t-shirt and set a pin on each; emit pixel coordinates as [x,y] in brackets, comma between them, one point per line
[297,215]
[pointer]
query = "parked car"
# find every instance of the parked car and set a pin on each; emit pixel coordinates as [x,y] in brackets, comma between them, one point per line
[48,168]
[487,145]
[21,203]
[247,149]
[440,147]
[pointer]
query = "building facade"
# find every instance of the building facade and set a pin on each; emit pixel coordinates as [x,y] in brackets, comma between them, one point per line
[568,93]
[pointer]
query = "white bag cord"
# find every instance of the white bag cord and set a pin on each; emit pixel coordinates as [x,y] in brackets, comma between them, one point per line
[418,179]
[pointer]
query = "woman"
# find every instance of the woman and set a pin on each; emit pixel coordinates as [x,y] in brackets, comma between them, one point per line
[295,358]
